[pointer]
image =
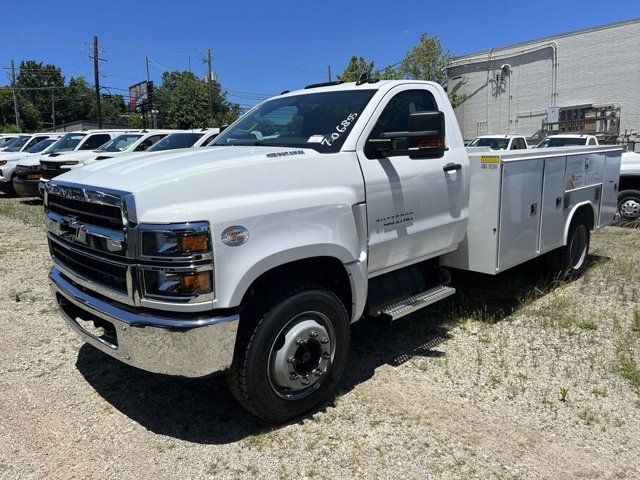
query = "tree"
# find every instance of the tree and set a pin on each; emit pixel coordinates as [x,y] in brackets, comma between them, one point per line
[37,82]
[425,61]
[183,102]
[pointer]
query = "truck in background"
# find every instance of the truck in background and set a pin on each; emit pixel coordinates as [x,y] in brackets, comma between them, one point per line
[568,140]
[315,209]
[500,142]
[629,197]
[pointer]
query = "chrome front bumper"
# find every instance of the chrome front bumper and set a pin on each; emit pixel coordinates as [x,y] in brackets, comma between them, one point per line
[186,346]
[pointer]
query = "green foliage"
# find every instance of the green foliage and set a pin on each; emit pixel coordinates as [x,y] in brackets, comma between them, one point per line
[426,60]
[183,102]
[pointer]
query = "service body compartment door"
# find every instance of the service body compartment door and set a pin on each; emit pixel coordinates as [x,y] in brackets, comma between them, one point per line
[553,213]
[520,211]
[610,184]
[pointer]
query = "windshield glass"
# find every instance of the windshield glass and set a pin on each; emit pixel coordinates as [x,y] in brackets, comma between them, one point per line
[562,142]
[5,140]
[321,121]
[175,140]
[119,143]
[492,143]
[17,143]
[40,146]
[67,143]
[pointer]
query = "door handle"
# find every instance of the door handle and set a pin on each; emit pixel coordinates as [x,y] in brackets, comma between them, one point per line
[450,167]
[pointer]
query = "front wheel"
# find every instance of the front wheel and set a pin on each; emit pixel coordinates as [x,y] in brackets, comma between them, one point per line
[629,205]
[291,352]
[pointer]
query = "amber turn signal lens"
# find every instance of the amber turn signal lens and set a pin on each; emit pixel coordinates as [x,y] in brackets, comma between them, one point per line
[196,283]
[33,176]
[193,243]
[436,142]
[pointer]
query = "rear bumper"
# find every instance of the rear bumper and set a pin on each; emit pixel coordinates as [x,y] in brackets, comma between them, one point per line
[26,188]
[186,346]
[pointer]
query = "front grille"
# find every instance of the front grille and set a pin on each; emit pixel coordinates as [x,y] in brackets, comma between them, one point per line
[100,215]
[105,273]
[51,170]
[23,172]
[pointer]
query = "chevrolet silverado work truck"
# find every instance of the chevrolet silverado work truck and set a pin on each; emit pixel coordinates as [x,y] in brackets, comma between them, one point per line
[315,209]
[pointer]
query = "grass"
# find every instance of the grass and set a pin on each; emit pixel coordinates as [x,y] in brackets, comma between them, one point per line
[29,212]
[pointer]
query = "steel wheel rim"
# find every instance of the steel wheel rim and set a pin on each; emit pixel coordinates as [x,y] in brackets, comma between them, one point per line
[578,247]
[630,209]
[301,355]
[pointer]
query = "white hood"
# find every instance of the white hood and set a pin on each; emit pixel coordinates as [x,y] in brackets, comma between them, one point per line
[186,184]
[74,156]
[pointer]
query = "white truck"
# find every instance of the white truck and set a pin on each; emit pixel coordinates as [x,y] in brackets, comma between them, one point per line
[500,142]
[629,197]
[315,209]
[26,147]
[568,140]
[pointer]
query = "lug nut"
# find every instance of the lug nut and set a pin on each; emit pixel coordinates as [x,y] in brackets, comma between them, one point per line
[290,359]
[326,355]
[298,341]
[293,375]
[314,333]
[304,381]
[324,340]
[318,373]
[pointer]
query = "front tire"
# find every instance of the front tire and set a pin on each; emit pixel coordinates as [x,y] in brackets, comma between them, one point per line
[629,205]
[291,352]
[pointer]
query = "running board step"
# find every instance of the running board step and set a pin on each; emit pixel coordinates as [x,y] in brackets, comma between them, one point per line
[415,302]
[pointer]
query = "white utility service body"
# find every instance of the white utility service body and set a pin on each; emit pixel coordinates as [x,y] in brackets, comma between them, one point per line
[352,209]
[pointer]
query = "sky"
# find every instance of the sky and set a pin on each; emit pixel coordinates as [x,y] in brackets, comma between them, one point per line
[260,48]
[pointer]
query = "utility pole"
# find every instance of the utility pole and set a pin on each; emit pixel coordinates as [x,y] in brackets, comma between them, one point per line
[209,81]
[15,97]
[96,80]
[53,112]
[154,120]
[329,67]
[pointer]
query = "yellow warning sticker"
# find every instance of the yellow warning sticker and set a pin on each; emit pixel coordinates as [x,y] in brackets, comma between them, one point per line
[489,159]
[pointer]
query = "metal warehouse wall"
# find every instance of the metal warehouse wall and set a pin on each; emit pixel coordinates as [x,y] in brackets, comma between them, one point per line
[600,65]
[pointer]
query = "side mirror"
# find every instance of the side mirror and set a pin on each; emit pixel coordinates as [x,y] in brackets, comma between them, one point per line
[424,139]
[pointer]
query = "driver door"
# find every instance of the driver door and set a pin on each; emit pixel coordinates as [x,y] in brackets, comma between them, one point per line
[414,206]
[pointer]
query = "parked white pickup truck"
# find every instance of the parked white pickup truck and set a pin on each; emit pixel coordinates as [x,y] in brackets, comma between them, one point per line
[500,142]
[568,140]
[629,197]
[314,209]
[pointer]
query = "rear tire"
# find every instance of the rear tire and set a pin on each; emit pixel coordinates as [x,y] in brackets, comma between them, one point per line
[629,205]
[571,259]
[291,351]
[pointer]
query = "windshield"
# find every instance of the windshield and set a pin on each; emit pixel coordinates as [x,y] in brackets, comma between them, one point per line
[67,143]
[5,140]
[562,142]
[119,143]
[17,143]
[40,146]
[492,143]
[175,140]
[321,121]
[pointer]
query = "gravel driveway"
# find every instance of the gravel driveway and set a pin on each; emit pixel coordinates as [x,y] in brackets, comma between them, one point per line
[519,376]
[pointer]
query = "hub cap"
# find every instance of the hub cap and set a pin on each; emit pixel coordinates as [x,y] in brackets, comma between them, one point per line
[630,209]
[301,355]
[578,247]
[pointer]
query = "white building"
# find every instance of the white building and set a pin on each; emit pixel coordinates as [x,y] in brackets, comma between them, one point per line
[592,76]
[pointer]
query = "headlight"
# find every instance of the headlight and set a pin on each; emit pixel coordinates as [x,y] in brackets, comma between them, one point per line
[184,240]
[178,284]
[182,262]
[3,162]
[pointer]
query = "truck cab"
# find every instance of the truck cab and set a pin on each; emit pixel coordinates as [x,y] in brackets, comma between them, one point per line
[500,142]
[629,196]
[568,140]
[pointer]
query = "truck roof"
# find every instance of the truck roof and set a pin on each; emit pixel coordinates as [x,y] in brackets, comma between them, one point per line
[571,135]
[367,85]
[500,136]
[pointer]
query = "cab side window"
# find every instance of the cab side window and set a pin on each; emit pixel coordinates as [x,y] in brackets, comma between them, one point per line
[592,141]
[149,141]
[395,116]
